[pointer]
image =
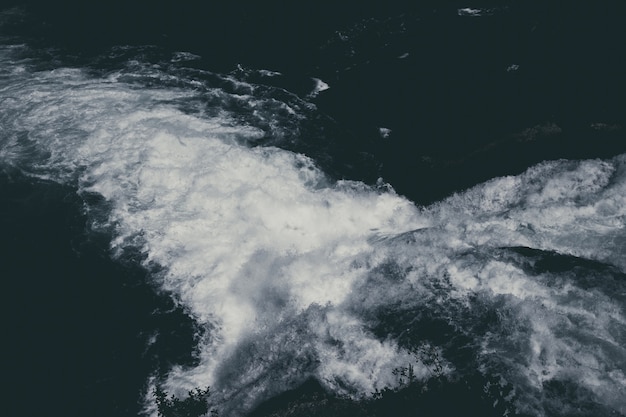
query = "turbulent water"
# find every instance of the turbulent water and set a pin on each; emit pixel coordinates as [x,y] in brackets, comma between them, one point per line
[291,273]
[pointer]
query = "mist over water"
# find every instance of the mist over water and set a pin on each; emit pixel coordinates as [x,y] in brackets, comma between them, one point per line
[292,273]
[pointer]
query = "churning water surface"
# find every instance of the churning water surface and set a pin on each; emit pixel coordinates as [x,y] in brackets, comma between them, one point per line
[292,274]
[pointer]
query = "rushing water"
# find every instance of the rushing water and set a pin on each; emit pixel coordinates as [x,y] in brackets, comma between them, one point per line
[283,271]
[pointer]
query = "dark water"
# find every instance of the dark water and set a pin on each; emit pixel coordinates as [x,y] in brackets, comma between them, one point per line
[78,323]
[298,203]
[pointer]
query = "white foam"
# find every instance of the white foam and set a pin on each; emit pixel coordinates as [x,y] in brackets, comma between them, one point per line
[289,270]
[319,87]
[268,73]
[185,57]
[384,132]
[468,11]
[474,12]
